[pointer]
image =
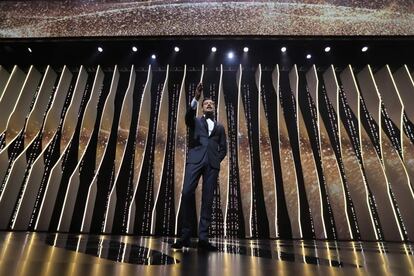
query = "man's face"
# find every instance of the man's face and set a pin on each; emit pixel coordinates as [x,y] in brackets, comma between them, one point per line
[209,106]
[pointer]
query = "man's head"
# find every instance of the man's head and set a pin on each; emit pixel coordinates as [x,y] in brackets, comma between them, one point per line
[209,106]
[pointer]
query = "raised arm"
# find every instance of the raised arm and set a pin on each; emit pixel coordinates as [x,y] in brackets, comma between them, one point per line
[191,112]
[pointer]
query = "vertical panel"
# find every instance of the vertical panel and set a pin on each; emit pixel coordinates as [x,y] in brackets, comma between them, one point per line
[334,186]
[45,160]
[72,141]
[405,88]
[80,178]
[305,170]
[180,150]
[16,182]
[350,150]
[378,180]
[113,135]
[9,97]
[30,129]
[160,145]
[23,106]
[288,167]
[16,124]
[244,162]
[266,160]
[141,143]
[223,179]
[391,142]
[317,204]
[123,136]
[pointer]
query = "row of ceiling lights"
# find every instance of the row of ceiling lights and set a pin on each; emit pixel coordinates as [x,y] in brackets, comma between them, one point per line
[230,54]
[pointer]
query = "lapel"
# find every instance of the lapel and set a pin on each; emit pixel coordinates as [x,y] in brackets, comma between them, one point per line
[214,128]
[204,121]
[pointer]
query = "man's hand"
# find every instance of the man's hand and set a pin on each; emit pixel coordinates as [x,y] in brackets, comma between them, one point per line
[198,91]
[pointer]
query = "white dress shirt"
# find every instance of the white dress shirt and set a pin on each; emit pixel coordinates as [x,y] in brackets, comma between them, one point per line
[210,122]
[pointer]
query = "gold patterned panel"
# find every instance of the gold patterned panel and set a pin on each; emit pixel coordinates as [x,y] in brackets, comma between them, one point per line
[28,199]
[180,150]
[20,111]
[121,145]
[394,165]
[224,165]
[56,173]
[121,141]
[14,180]
[355,178]
[310,176]
[160,146]
[288,168]
[10,95]
[244,162]
[266,161]
[372,155]
[141,142]
[17,121]
[405,88]
[316,203]
[103,137]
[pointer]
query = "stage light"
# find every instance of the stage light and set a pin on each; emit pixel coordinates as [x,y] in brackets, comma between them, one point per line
[308,56]
[134,49]
[327,49]
[100,49]
[283,49]
[153,56]
[213,49]
[364,49]
[176,49]
[29,49]
[230,55]
[245,49]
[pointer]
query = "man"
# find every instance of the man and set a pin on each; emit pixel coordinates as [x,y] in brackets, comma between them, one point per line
[207,147]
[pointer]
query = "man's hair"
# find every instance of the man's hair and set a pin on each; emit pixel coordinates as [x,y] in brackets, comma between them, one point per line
[207,98]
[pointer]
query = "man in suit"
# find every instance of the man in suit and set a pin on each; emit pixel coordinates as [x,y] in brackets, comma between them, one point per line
[207,147]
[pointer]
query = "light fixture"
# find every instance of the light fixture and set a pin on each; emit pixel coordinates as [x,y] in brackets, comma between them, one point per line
[134,49]
[176,49]
[308,56]
[245,49]
[153,56]
[364,49]
[213,49]
[283,49]
[230,55]
[327,49]
[100,49]
[29,49]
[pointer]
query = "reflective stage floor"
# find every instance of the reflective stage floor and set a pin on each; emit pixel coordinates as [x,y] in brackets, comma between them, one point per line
[24,253]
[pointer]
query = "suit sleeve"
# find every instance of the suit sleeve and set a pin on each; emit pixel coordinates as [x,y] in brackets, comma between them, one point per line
[190,117]
[223,144]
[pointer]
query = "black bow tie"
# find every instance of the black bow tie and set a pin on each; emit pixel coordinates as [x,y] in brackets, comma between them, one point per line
[209,116]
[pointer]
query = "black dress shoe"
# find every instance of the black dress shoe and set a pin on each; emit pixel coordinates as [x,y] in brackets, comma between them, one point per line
[180,244]
[206,246]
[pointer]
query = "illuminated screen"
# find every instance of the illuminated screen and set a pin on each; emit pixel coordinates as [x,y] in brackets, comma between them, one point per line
[199,18]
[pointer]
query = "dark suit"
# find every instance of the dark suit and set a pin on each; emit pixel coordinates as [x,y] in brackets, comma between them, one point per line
[205,152]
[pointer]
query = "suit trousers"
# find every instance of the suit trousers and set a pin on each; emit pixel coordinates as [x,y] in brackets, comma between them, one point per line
[193,172]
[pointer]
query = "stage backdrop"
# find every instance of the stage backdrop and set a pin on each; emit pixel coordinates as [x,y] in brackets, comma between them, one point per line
[78,18]
[312,153]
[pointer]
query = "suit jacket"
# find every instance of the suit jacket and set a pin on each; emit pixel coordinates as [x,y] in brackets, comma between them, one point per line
[200,143]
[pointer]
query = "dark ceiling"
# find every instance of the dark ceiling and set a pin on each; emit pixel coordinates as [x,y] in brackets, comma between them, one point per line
[195,51]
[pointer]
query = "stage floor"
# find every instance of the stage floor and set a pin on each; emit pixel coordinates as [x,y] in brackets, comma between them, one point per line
[25,253]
